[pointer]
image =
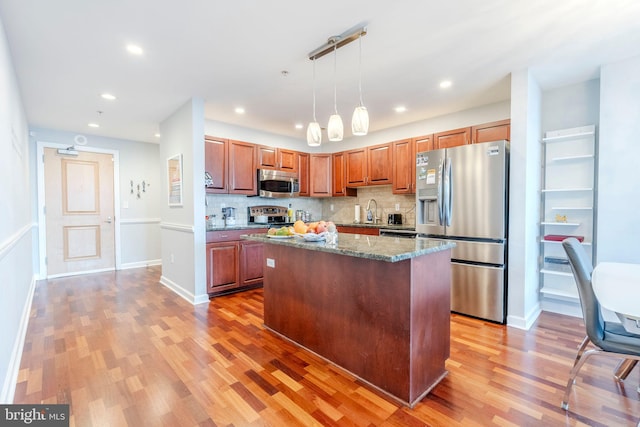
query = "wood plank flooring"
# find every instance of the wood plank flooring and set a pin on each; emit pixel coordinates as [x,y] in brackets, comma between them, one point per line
[123,350]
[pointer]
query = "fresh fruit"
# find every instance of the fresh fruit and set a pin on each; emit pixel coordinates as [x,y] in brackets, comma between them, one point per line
[272,231]
[300,227]
[283,231]
[312,226]
[321,227]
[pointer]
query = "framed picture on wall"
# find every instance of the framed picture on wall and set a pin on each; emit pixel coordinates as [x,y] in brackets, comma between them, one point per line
[174,175]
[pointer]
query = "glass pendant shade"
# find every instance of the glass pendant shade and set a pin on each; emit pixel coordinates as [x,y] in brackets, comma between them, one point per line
[314,134]
[335,130]
[360,121]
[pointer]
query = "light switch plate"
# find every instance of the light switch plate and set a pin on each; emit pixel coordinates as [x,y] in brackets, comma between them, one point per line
[271,262]
[397,207]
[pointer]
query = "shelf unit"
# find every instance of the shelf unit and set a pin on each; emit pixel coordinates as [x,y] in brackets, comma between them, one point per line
[567,208]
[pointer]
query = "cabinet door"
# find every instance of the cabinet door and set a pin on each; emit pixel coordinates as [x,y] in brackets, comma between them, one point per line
[303,173]
[404,167]
[338,183]
[267,158]
[242,168]
[215,162]
[222,266]
[423,143]
[251,262]
[452,138]
[287,160]
[379,164]
[320,175]
[356,167]
[493,131]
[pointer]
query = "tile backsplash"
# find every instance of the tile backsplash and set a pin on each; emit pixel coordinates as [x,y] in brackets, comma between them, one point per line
[344,207]
[320,208]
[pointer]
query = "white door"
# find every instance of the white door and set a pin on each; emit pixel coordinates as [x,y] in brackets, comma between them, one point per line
[79,204]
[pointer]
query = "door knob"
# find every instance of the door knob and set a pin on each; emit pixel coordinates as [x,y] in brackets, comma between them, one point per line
[109,220]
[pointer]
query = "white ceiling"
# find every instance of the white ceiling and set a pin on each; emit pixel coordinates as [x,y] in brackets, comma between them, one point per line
[231,53]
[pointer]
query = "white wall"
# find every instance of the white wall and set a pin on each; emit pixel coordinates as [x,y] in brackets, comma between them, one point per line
[18,230]
[183,227]
[571,106]
[139,217]
[618,227]
[524,202]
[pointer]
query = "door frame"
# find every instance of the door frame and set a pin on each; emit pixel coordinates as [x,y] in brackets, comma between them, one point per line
[42,230]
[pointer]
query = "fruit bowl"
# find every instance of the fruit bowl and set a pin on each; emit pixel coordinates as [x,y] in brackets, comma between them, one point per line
[312,237]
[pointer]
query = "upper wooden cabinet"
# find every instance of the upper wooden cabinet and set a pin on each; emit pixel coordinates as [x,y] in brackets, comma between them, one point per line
[277,158]
[423,143]
[452,138]
[339,174]
[215,163]
[232,166]
[369,165]
[303,173]
[493,131]
[320,175]
[404,166]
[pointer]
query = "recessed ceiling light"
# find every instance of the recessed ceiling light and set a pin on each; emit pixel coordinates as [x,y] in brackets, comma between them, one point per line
[108,96]
[299,126]
[239,110]
[134,50]
[157,135]
[445,84]
[94,125]
[400,109]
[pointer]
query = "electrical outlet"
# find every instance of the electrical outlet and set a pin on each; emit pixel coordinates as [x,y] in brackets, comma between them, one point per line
[172,259]
[397,207]
[271,262]
[331,207]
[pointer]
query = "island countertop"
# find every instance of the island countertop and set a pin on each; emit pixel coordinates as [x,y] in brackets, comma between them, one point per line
[380,248]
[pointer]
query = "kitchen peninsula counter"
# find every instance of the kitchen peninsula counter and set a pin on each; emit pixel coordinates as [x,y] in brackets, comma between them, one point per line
[376,306]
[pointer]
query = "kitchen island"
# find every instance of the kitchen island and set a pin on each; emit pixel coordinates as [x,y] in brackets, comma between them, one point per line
[376,306]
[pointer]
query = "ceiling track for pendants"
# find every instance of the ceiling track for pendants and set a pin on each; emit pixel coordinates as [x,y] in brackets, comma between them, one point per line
[336,42]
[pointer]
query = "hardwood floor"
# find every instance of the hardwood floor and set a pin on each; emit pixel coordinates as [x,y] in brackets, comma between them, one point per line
[122,349]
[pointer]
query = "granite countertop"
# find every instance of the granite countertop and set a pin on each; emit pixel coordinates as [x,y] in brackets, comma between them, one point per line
[381,248]
[236,227]
[380,225]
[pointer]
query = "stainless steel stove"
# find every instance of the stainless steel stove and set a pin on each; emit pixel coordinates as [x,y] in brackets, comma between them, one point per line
[268,214]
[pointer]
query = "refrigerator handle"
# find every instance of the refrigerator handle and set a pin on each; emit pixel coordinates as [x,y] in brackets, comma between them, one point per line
[448,191]
[441,207]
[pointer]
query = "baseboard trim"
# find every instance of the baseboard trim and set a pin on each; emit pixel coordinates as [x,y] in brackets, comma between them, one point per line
[183,293]
[10,381]
[525,322]
[140,264]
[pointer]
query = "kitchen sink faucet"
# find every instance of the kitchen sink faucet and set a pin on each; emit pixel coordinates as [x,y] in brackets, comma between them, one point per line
[372,216]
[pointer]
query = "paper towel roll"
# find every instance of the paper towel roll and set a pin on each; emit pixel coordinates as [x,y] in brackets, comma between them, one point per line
[356,216]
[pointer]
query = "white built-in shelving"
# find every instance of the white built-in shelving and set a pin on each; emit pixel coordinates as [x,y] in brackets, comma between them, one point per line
[567,206]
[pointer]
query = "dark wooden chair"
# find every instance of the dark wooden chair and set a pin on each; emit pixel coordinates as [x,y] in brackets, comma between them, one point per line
[609,338]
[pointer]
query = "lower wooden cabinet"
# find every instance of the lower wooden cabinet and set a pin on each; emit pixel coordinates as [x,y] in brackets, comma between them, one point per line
[370,231]
[233,264]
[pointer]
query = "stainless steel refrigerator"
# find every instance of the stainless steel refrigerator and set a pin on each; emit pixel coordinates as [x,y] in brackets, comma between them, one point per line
[462,196]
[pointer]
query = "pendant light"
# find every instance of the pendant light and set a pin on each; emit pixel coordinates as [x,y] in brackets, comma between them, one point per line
[335,130]
[360,118]
[314,133]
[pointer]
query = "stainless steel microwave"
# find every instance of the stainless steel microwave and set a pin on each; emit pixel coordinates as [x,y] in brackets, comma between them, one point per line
[274,183]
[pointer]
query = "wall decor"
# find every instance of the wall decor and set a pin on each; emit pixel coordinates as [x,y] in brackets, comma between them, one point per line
[174,175]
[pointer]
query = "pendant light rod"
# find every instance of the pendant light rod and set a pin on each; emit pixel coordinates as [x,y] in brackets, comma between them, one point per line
[336,42]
